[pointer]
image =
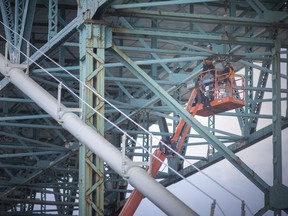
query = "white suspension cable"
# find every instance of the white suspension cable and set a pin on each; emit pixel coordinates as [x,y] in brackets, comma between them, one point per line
[103,99]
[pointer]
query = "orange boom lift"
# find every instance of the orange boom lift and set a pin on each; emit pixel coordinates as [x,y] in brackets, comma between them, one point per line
[214,92]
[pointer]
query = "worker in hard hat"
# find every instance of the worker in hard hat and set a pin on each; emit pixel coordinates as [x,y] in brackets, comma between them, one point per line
[208,65]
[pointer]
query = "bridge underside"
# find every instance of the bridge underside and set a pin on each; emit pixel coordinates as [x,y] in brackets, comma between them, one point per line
[140,57]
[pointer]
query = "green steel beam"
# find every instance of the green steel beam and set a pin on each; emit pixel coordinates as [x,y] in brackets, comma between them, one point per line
[9,21]
[23,26]
[16,147]
[250,64]
[26,31]
[18,100]
[31,141]
[145,122]
[41,166]
[99,79]
[165,51]
[32,125]
[29,154]
[13,118]
[225,135]
[222,39]
[4,82]
[282,90]
[276,109]
[259,94]
[263,116]
[158,61]
[211,125]
[158,3]
[52,19]
[204,18]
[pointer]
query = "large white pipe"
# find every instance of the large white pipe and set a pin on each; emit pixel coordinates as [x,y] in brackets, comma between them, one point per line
[135,175]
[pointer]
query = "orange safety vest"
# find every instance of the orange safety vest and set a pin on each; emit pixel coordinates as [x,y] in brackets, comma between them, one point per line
[231,72]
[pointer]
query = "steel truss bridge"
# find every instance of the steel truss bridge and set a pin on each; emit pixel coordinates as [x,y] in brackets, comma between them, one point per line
[139,56]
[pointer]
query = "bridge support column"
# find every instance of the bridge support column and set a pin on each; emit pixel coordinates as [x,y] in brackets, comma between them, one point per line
[93,41]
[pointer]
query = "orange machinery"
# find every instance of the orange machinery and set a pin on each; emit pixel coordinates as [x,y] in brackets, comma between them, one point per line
[224,95]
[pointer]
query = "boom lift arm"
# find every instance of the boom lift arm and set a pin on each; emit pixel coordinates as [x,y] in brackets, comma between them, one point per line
[161,153]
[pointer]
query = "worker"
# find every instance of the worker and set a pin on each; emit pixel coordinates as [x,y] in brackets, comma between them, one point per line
[208,78]
[208,66]
[228,77]
[201,96]
[229,73]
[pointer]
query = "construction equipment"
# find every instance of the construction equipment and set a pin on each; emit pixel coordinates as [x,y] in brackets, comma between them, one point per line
[214,92]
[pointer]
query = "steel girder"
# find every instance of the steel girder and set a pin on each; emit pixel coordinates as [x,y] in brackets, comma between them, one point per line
[20,26]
